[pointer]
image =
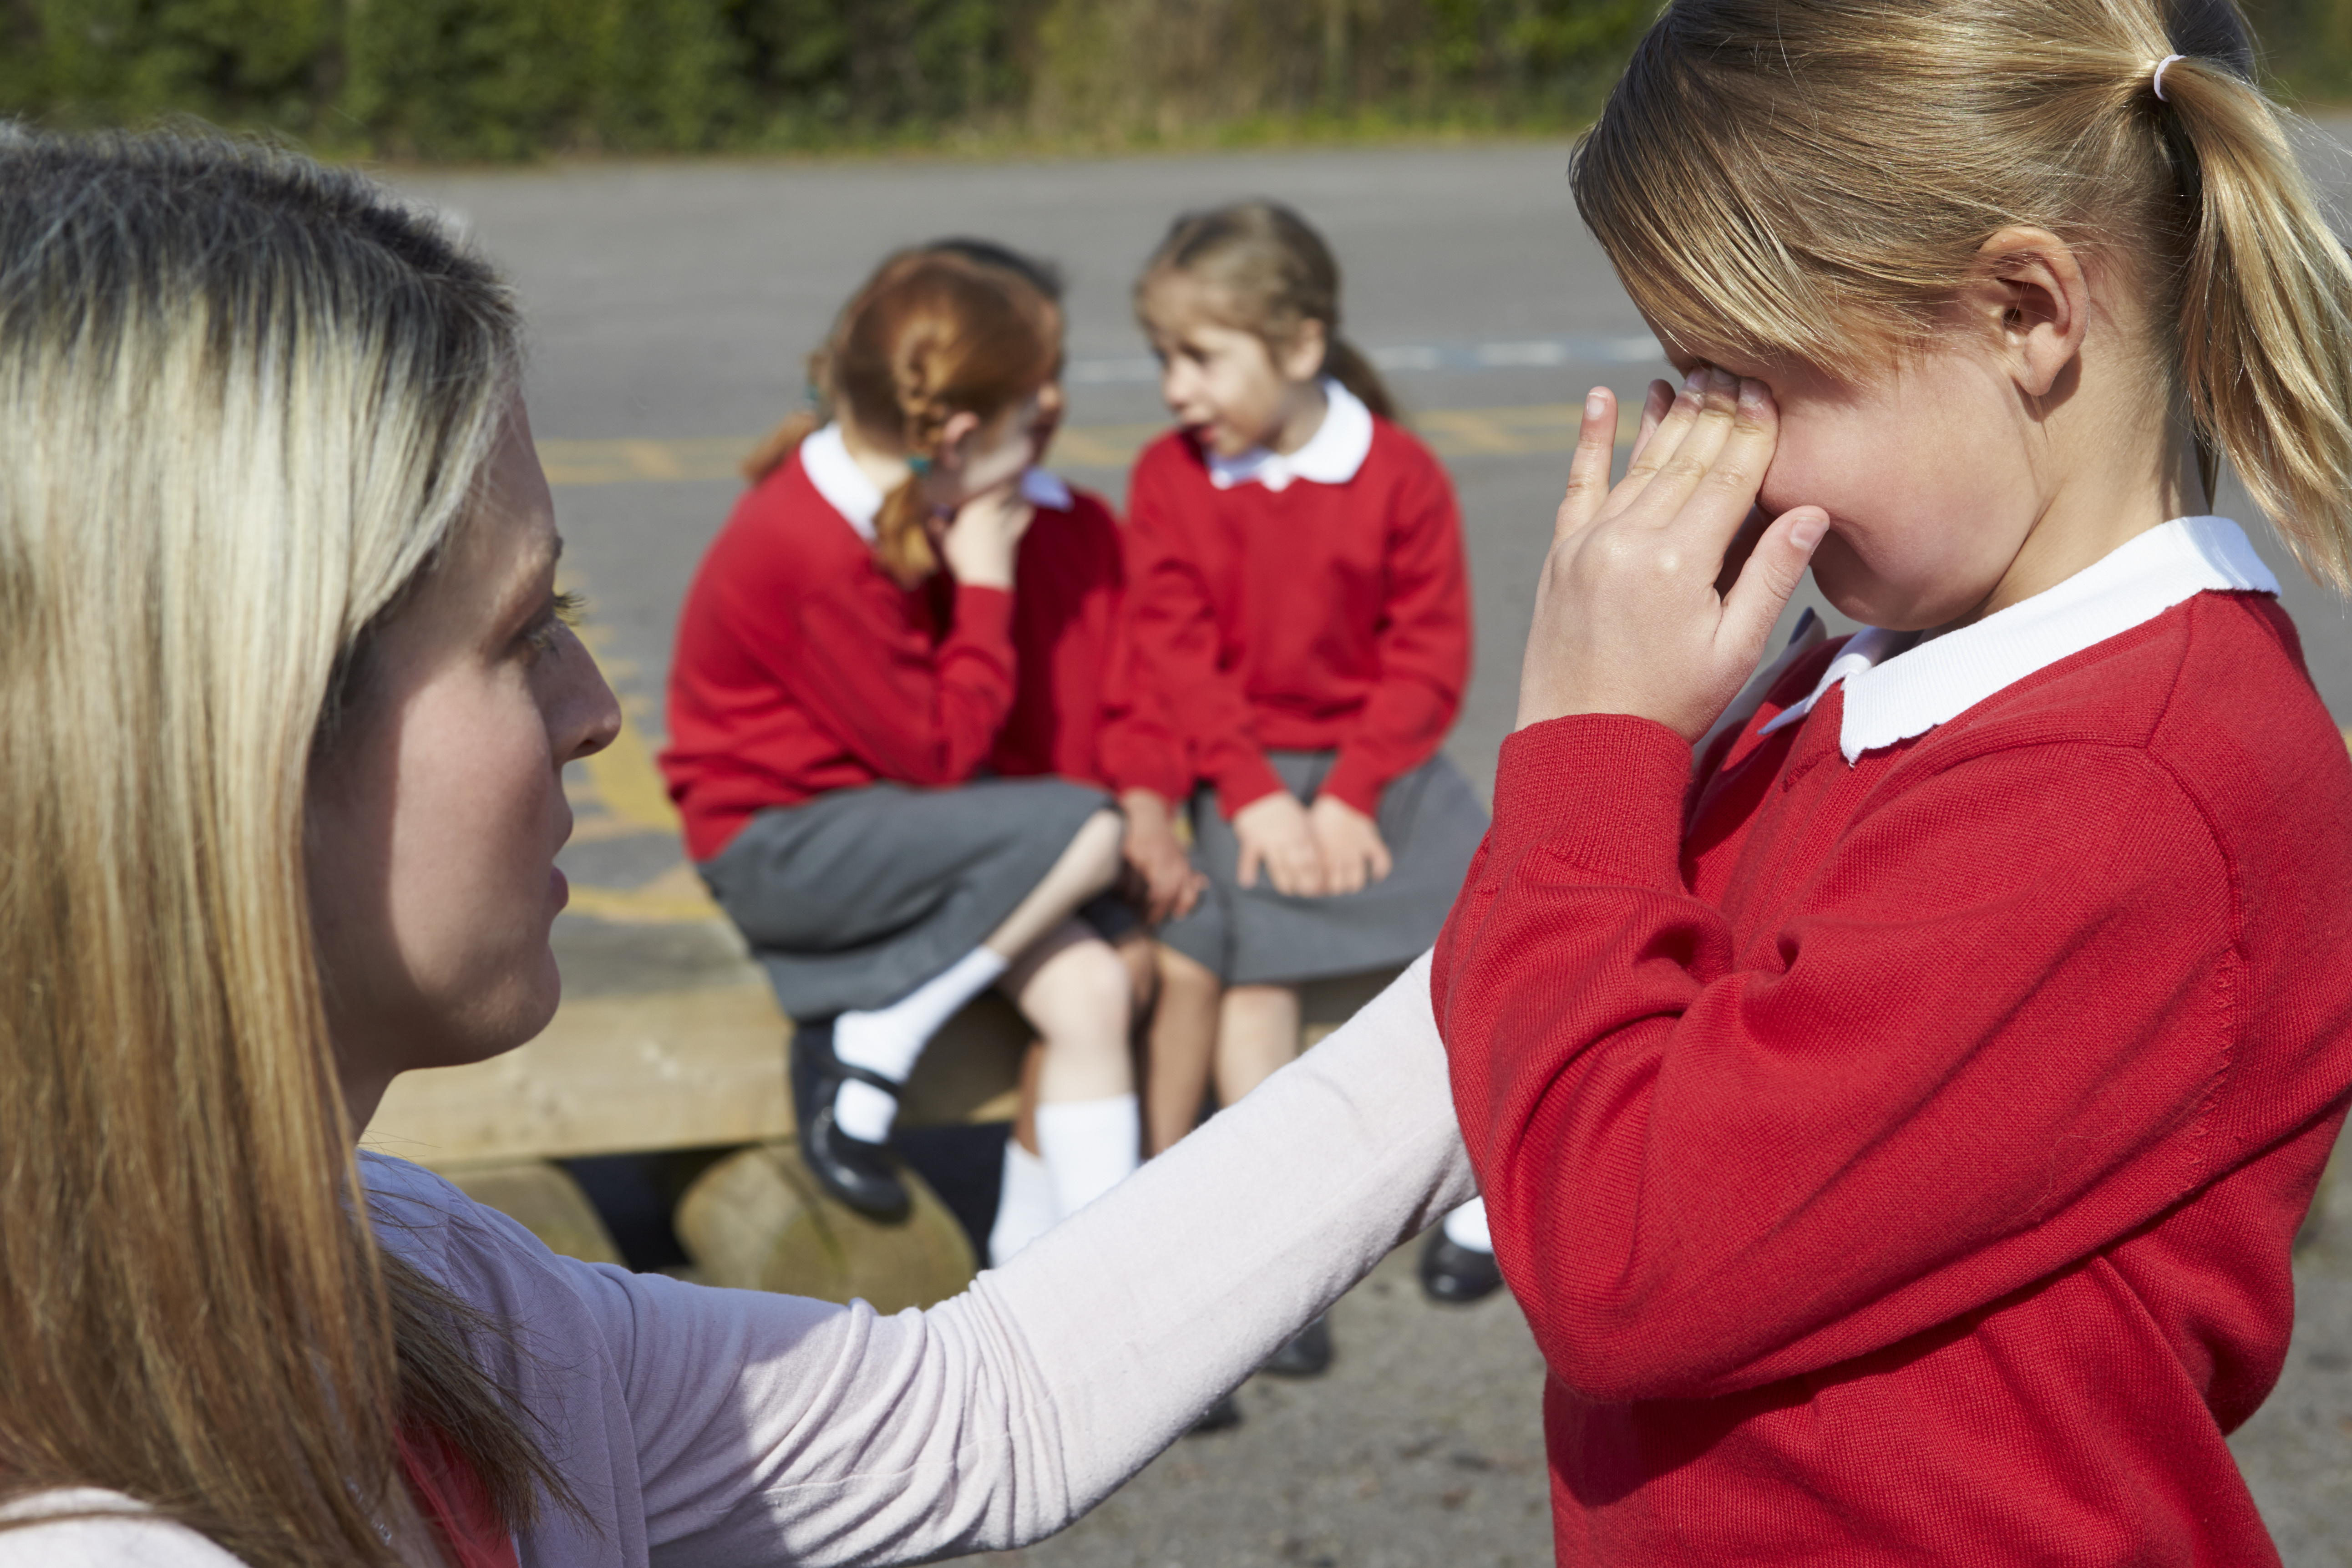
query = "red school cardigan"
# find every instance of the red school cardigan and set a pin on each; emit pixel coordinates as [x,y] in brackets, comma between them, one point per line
[1900,1163]
[803,667]
[1311,619]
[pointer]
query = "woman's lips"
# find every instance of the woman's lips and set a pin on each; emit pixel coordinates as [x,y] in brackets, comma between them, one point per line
[558,885]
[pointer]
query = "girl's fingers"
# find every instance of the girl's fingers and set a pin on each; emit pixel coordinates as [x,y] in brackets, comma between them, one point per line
[1588,471]
[1681,411]
[1659,399]
[1696,456]
[1246,870]
[1774,569]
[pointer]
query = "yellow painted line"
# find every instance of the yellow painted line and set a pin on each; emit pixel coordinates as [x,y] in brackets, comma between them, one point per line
[1450,431]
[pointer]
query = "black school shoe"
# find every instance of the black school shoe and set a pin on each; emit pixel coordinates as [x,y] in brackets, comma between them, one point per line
[1308,1353]
[857,1173]
[1455,1274]
[1222,1416]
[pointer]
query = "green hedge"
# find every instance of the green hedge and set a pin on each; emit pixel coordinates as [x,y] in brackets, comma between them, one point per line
[510,79]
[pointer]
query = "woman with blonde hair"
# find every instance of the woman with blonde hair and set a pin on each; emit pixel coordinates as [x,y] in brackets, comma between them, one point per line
[289,693]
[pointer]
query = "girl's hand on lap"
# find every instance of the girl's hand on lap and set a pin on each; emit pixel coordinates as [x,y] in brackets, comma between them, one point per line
[1170,886]
[1629,616]
[1276,836]
[979,544]
[1354,854]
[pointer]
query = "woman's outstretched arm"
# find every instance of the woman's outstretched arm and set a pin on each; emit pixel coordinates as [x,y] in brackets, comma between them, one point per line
[720,1427]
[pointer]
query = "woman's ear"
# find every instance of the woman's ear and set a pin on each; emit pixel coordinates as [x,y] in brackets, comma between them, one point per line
[2029,287]
[1301,358]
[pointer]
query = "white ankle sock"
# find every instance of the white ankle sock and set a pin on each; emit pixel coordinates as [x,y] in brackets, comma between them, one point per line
[1467,1226]
[1026,1207]
[1089,1146]
[890,1041]
[864,1112]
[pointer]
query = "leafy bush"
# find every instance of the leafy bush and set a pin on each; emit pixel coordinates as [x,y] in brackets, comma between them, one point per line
[513,78]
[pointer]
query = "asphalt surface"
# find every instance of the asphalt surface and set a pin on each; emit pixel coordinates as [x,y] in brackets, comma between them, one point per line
[672,306]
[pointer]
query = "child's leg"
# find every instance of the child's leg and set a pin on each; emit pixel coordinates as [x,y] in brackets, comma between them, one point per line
[888,1040]
[1077,992]
[1182,1042]
[1258,1032]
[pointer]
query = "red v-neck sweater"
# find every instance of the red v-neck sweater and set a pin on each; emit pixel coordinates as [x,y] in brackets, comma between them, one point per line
[1898,1162]
[1314,617]
[803,667]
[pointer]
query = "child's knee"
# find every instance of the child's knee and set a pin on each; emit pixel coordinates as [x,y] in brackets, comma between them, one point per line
[1083,994]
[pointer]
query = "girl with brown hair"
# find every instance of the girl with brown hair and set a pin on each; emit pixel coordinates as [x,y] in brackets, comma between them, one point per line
[888,728]
[1302,612]
[1897,1079]
[288,696]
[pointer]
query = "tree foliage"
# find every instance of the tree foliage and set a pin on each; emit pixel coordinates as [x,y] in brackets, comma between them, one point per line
[509,79]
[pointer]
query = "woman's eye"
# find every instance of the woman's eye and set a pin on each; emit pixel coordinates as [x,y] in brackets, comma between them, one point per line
[562,610]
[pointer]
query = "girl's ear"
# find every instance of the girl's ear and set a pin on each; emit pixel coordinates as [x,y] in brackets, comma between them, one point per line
[1301,359]
[960,428]
[2030,288]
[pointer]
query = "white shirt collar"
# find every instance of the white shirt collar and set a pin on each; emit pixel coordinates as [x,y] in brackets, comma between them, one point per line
[1330,457]
[838,478]
[846,488]
[1898,686]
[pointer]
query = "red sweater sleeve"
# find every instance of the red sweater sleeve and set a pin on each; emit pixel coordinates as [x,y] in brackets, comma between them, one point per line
[1140,746]
[1980,1046]
[1424,645]
[1176,641]
[914,713]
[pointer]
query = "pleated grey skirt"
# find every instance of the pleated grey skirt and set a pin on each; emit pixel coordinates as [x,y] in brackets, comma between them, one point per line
[854,898]
[1433,824]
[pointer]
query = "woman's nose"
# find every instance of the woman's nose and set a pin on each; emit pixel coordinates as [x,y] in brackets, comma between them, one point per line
[588,715]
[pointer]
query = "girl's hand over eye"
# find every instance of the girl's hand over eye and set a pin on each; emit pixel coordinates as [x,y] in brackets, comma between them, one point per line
[1354,854]
[1275,834]
[1630,618]
[980,543]
[1170,886]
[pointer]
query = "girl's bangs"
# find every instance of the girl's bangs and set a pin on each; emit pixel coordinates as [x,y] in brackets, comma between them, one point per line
[1707,230]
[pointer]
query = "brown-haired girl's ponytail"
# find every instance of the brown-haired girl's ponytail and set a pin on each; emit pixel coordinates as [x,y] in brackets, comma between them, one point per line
[1346,364]
[2265,315]
[902,540]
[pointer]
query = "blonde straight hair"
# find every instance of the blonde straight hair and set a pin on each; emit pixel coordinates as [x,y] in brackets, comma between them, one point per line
[244,402]
[1813,178]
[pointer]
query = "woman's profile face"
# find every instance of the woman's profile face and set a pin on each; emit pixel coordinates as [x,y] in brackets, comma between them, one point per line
[434,824]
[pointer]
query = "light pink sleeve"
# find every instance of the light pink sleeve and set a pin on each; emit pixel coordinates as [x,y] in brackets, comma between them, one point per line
[719,1427]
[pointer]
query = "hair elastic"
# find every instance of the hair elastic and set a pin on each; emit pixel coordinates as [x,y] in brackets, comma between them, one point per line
[920,464]
[2159,83]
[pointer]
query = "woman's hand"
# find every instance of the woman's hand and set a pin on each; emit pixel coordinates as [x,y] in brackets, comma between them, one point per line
[1275,835]
[1629,616]
[979,545]
[1354,854]
[1170,886]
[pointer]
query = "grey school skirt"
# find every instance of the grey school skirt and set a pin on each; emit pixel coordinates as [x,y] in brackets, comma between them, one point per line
[1433,824]
[854,898]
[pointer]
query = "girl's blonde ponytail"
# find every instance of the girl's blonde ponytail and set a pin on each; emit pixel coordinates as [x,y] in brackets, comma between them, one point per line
[2265,314]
